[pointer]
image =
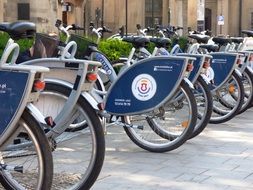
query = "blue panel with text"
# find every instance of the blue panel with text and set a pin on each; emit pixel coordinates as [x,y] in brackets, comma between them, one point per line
[145,85]
[12,88]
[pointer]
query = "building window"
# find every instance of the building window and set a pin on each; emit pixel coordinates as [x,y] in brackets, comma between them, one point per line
[153,12]
[23,11]
[157,5]
[251,20]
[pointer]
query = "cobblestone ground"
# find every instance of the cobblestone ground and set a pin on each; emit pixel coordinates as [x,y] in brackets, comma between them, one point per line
[220,158]
[62,181]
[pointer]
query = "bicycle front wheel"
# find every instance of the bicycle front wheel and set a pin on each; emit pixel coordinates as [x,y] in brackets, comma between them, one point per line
[247,80]
[228,100]
[26,162]
[78,154]
[168,127]
[204,101]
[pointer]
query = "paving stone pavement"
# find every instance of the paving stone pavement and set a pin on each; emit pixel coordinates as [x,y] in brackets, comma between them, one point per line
[220,158]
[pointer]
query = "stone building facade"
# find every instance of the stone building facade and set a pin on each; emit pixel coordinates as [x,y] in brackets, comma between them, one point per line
[164,12]
[236,14]
[43,12]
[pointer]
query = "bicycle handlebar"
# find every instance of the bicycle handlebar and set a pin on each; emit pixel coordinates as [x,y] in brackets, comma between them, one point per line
[69,51]
[65,28]
[11,49]
[76,27]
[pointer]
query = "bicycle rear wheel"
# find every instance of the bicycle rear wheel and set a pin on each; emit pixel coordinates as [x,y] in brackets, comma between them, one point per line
[78,154]
[26,162]
[204,101]
[247,80]
[225,105]
[168,127]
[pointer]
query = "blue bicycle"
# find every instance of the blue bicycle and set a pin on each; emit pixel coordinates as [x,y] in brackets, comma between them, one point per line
[177,118]
[25,154]
[58,116]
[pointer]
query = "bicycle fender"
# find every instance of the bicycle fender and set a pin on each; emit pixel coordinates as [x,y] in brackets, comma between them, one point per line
[189,83]
[206,79]
[58,81]
[250,69]
[238,72]
[90,99]
[84,94]
[36,113]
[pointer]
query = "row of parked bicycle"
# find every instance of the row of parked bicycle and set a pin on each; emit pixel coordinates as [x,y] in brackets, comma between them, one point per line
[59,100]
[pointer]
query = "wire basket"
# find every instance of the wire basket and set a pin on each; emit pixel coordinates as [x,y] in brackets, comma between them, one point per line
[83,45]
[45,46]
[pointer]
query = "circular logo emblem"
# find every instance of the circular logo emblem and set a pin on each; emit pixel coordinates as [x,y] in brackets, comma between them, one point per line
[144,87]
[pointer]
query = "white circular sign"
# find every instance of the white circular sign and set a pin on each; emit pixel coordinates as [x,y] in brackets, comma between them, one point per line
[144,87]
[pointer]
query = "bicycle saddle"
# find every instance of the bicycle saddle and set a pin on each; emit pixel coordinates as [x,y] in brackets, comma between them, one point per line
[237,40]
[137,41]
[200,38]
[249,33]
[18,30]
[221,40]
[105,29]
[161,42]
[209,47]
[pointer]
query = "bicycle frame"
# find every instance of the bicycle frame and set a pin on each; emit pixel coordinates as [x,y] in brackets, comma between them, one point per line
[223,64]
[142,53]
[76,81]
[76,72]
[21,84]
[108,69]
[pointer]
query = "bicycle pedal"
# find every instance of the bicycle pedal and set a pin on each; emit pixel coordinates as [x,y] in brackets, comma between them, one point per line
[19,169]
[23,135]
[16,141]
[141,127]
[104,114]
[113,119]
[201,104]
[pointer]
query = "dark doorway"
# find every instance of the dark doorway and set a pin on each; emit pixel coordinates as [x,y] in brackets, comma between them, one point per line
[208,19]
[65,17]
[66,7]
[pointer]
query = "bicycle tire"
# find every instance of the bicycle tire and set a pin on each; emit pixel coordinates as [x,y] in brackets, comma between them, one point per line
[170,139]
[204,101]
[247,80]
[92,135]
[248,90]
[222,114]
[28,179]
